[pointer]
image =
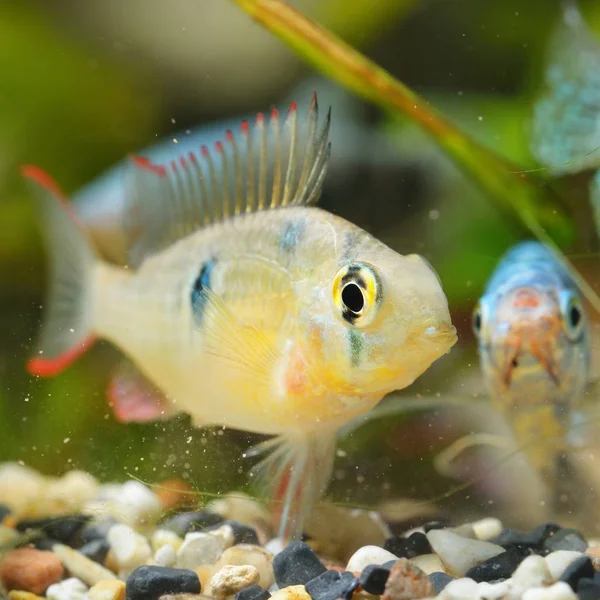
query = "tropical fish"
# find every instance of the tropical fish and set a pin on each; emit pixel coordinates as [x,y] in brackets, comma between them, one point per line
[534,346]
[533,337]
[566,120]
[246,306]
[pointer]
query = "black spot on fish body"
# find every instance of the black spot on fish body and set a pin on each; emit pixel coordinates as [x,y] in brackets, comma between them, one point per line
[291,235]
[201,284]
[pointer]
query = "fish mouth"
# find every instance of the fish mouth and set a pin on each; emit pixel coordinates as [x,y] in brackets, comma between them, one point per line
[441,334]
[515,354]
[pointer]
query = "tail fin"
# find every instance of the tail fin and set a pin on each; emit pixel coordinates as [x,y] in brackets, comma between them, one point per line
[67,332]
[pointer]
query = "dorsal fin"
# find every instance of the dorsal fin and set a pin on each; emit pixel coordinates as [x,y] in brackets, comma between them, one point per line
[271,167]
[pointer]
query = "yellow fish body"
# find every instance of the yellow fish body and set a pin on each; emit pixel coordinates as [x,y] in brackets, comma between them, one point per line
[245,306]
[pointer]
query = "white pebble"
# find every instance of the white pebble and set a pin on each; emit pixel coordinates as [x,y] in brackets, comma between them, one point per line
[275,546]
[68,589]
[129,548]
[459,554]
[493,591]
[231,579]
[369,555]
[199,549]
[428,563]
[225,532]
[532,572]
[163,537]
[165,556]
[558,561]
[486,529]
[460,589]
[142,503]
[558,591]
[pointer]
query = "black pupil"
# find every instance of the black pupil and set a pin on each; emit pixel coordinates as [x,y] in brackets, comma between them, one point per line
[352,298]
[477,321]
[574,316]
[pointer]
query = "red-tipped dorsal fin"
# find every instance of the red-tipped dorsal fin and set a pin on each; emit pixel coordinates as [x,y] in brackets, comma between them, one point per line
[145,163]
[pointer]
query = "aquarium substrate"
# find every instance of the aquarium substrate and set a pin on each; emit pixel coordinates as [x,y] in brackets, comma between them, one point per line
[72,538]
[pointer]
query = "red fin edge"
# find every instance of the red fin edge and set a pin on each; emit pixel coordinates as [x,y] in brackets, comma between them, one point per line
[49,367]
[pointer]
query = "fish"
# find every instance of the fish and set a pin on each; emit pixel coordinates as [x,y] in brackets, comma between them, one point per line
[533,337]
[565,134]
[242,304]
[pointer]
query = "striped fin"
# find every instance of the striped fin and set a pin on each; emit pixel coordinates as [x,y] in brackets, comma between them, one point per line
[271,166]
[566,127]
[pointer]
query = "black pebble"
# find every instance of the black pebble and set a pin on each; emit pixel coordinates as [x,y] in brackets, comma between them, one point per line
[150,583]
[526,542]
[191,521]
[62,529]
[373,579]
[331,585]
[501,566]
[566,539]
[242,534]
[397,545]
[296,565]
[4,511]
[97,530]
[414,545]
[580,568]
[588,589]
[439,580]
[253,592]
[45,543]
[96,550]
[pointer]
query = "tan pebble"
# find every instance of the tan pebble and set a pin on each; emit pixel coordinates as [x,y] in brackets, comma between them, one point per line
[407,582]
[428,563]
[594,553]
[175,493]
[248,554]
[107,590]
[205,572]
[30,570]
[292,592]
[340,531]
[89,571]
[240,507]
[229,580]
[21,595]
[185,597]
[163,537]
[110,562]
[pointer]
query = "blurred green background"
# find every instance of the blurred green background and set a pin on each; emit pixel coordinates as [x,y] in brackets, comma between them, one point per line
[85,83]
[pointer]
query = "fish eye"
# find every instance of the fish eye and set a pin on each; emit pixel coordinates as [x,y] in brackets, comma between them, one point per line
[477,320]
[357,293]
[352,298]
[572,314]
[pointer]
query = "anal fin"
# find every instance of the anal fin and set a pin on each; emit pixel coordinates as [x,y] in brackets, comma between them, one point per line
[296,474]
[134,399]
